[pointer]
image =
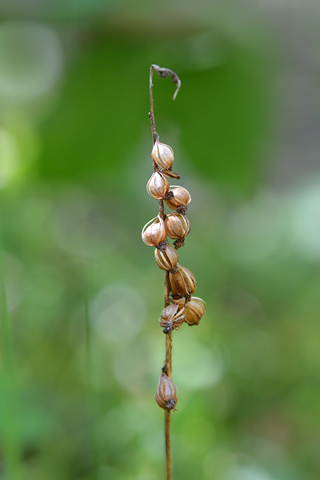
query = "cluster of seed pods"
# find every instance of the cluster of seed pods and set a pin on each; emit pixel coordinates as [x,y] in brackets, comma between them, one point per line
[181,307]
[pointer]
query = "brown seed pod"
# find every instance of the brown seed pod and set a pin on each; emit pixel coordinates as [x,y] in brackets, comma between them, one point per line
[157,186]
[180,199]
[162,155]
[167,258]
[181,282]
[167,393]
[154,232]
[172,317]
[170,174]
[177,225]
[194,310]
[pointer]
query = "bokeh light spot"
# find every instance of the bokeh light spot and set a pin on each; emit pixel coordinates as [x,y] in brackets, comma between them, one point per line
[118,312]
[9,155]
[31,60]
[189,355]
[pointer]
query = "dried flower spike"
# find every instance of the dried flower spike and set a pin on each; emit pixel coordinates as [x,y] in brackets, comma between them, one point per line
[180,198]
[194,310]
[172,317]
[167,392]
[166,258]
[154,232]
[157,186]
[181,281]
[177,225]
[162,155]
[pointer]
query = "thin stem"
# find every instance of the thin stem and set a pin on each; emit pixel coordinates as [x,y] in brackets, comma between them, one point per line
[164,72]
[161,212]
[167,423]
[151,113]
[168,364]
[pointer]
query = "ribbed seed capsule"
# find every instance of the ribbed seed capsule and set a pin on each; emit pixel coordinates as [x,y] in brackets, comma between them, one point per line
[162,155]
[157,185]
[172,317]
[181,282]
[177,225]
[167,393]
[194,310]
[154,232]
[180,198]
[166,258]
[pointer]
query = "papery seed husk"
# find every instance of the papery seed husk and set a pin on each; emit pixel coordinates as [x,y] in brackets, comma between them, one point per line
[162,155]
[169,311]
[177,225]
[160,401]
[166,393]
[194,310]
[174,315]
[154,232]
[157,185]
[182,282]
[181,198]
[166,259]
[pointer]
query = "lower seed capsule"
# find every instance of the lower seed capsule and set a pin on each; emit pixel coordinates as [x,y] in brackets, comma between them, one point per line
[177,225]
[172,317]
[154,232]
[180,198]
[166,258]
[194,310]
[167,393]
[157,185]
[181,282]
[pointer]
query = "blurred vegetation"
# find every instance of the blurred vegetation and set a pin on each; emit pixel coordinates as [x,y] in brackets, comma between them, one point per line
[81,347]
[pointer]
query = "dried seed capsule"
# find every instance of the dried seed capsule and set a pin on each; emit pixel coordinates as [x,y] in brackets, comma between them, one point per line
[172,317]
[162,155]
[177,225]
[166,259]
[170,174]
[194,310]
[158,186]
[181,282]
[180,199]
[167,393]
[154,232]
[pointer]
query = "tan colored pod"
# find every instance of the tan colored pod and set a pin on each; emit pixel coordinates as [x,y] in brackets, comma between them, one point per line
[177,225]
[177,198]
[157,186]
[181,282]
[167,393]
[194,310]
[166,258]
[170,174]
[154,232]
[162,155]
[172,317]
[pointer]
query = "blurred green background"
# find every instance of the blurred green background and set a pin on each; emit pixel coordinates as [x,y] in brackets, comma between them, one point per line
[81,346]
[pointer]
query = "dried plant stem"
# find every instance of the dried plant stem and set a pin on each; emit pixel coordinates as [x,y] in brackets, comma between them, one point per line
[164,72]
[168,368]
[167,422]
[168,444]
